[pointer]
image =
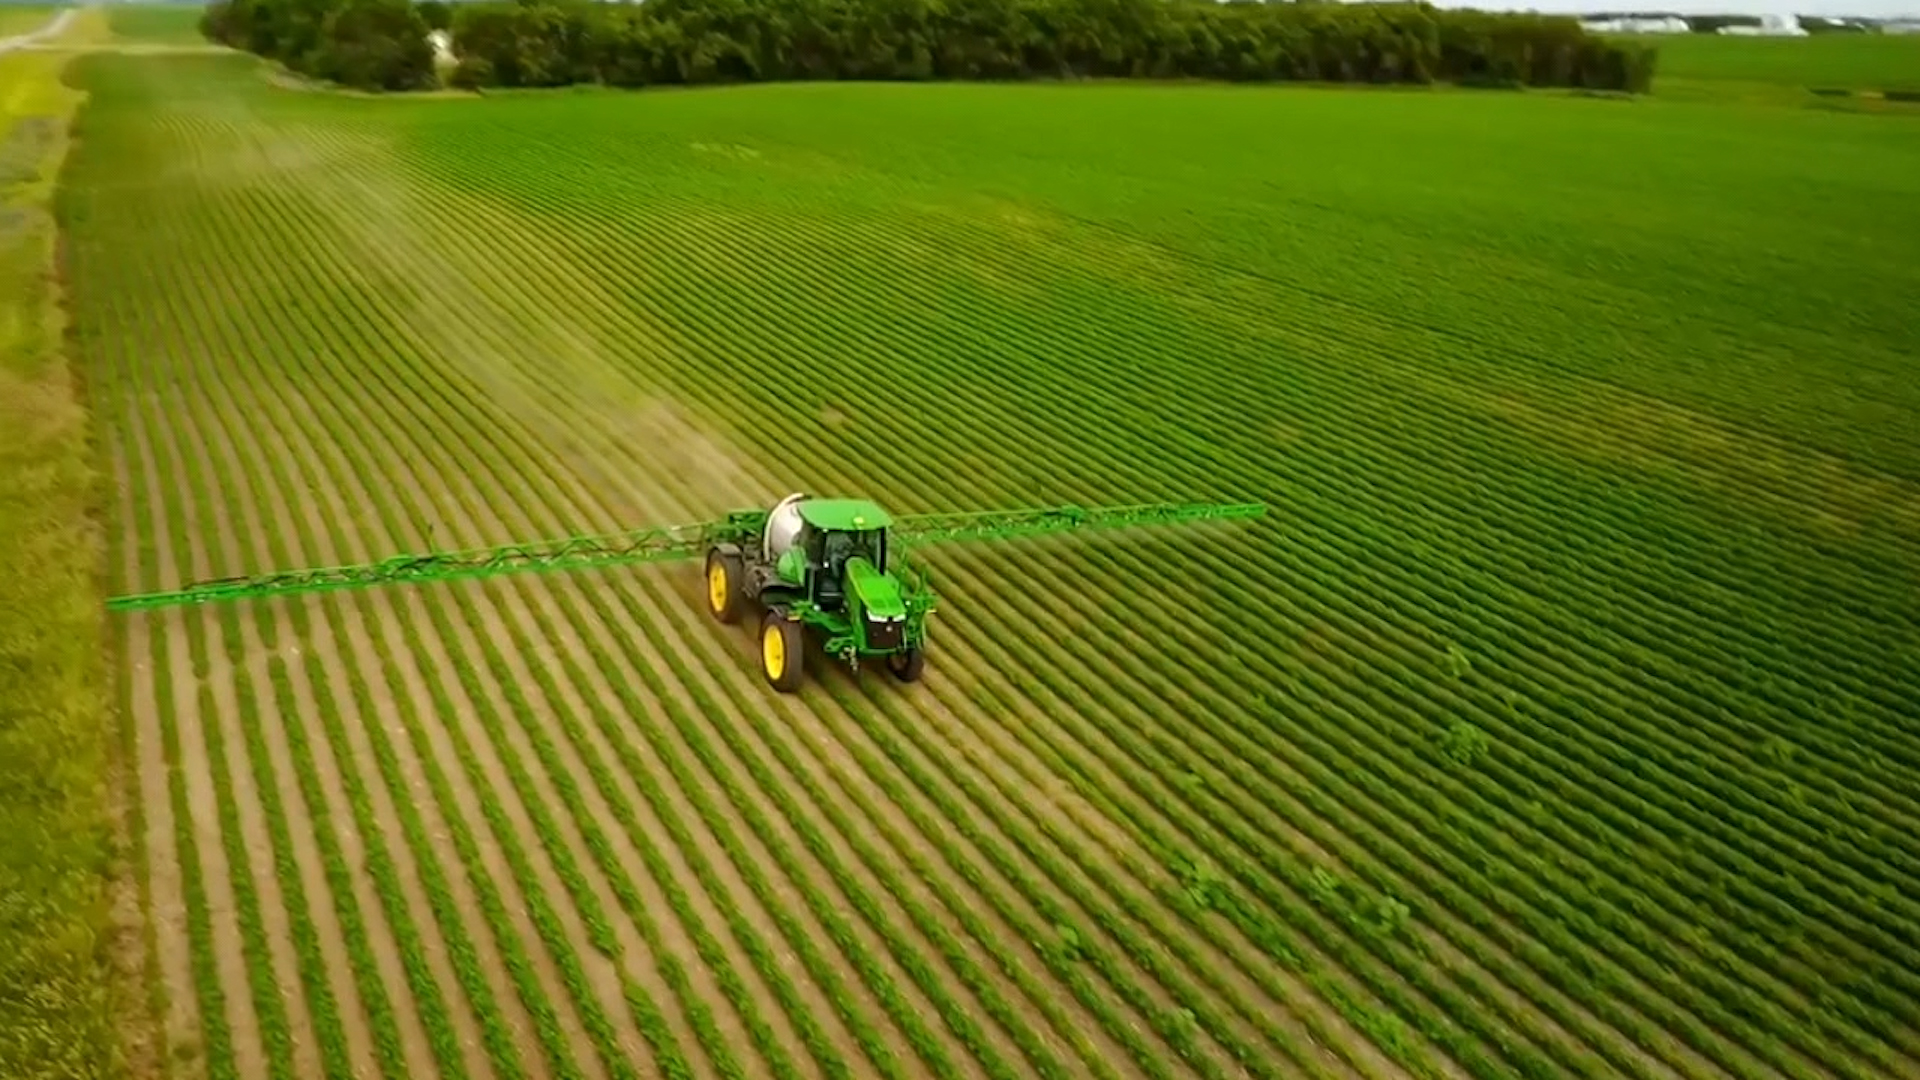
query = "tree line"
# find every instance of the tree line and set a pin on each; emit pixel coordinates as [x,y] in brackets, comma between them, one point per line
[383,45]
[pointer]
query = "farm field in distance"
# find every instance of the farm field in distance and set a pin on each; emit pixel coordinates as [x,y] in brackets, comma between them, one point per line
[157,24]
[1852,61]
[1557,720]
[23,18]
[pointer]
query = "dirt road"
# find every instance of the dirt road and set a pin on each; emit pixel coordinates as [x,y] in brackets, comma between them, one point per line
[54,28]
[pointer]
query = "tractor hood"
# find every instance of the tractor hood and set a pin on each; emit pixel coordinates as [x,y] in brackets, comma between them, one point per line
[879,593]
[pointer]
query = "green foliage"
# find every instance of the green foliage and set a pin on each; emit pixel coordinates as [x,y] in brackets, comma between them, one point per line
[365,44]
[374,44]
[1070,947]
[1464,742]
[1324,884]
[160,22]
[1373,914]
[544,43]
[55,840]
[1384,915]
[1203,882]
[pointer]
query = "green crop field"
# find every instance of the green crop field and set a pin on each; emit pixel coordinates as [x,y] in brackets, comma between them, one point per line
[157,23]
[1850,61]
[1561,718]
[24,18]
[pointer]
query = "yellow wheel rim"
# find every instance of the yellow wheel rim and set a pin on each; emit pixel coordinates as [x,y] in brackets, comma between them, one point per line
[773,652]
[717,587]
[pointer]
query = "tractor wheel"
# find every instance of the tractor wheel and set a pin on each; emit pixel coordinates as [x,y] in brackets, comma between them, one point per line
[908,664]
[782,651]
[724,573]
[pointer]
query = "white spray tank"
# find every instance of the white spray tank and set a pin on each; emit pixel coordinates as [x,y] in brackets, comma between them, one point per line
[783,528]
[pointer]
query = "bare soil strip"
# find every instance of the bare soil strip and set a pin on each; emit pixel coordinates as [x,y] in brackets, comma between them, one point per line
[375,667]
[455,774]
[284,427]
[223,677]
[249,1051]
[133,783]
[602,970]
[371,666]
[167,899]
[636,962]
[301,822]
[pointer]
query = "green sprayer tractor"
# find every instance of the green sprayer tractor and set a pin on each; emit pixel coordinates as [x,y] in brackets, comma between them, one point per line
[821,564]
[834,566]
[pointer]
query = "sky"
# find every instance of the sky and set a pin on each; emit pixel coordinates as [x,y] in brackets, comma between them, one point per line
[1870,8]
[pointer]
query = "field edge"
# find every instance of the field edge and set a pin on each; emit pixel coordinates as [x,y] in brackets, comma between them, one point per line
[73,937]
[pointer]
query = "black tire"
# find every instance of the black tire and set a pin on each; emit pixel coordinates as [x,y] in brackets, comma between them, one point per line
[782,652]
[725,572]
[907,664]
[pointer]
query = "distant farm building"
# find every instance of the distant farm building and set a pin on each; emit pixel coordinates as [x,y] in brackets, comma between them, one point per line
[1638,24]
[1901,26]
[1770,26]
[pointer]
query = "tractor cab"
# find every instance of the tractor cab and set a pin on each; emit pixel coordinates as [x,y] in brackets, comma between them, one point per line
[823,565]
[840,538]
[812,542]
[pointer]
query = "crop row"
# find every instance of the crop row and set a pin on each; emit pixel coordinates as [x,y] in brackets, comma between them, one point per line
[591,836]
[867,288]
[528,278]
[415,751]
